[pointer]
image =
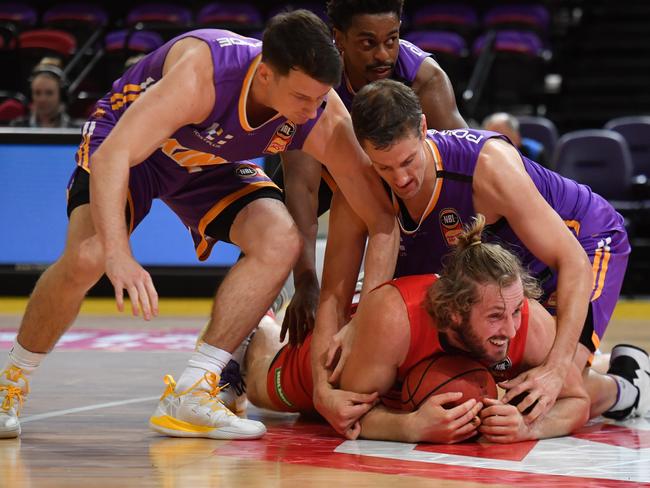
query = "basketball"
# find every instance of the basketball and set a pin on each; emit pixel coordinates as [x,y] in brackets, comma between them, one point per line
[446,373]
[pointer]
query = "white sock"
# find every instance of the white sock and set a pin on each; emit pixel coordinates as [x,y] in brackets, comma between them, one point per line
[205,359]
[626,396]
[24,359]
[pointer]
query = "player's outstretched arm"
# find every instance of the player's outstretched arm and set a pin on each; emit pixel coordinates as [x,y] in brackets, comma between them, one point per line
[345,246]
[504,423]
[333,143]
[503,188]
[184,95]
[429,423]
[302,176]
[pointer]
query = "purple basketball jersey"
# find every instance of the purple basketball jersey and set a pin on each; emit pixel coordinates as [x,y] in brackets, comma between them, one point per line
[594,222]
[226,134]
[409,60]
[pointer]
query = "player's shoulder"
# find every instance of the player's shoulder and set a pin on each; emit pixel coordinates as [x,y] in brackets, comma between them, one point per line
[226,47]
[409,50]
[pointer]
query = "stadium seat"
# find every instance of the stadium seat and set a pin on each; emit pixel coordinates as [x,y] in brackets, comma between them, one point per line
[518,17]
[160,13]
[138,41]
[458,18]
[35,44]
[636,131]
[598,158]
[449,49]
[20,15]
[118,51]
[12,106]
[541,129]
[517,73]
[81,20]
[56,42]
[235,16]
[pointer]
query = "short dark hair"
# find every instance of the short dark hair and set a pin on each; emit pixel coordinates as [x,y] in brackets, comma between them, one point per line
[341,12]
[385,111]
[300,40]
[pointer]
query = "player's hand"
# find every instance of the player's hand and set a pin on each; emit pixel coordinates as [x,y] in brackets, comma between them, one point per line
[300,316]
[343,409]
[434,423]
[502,423]
[126,274]
[339,350]
[541,386]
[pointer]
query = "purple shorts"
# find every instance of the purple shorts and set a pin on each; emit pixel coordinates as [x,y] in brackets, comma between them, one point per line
[608,253]
[205,198]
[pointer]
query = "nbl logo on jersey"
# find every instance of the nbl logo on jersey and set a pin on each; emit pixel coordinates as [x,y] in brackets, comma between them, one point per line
[451,225]
[282,138]
[246,171]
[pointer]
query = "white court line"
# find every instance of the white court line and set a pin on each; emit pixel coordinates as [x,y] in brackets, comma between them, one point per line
[59,413]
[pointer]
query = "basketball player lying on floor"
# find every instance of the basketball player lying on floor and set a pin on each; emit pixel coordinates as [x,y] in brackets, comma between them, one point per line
[484,303]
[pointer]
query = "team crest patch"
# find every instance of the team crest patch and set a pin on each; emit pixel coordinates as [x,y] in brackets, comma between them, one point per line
[246,171]
[281,139]
[451,225]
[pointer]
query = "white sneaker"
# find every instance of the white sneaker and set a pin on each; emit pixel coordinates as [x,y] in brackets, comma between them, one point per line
[13,388]
[198,412]
[633,364]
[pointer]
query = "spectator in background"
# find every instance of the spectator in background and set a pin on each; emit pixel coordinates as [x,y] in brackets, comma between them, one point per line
[508,125]
[47,85]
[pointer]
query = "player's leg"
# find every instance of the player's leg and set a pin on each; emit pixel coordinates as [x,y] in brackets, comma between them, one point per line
[625,390]
[629,367]
[262,350]
[52,307]
[233,202]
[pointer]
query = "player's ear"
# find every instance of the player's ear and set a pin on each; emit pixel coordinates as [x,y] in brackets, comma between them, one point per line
[265,73]
[338,39]
[424,125]
[455,317]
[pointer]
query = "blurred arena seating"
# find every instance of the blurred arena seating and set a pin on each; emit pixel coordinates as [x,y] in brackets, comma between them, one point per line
[546,62]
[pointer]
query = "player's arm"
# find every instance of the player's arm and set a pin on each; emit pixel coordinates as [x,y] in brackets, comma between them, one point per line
[381,343]
[436,95]
[343,254]
[332,142]
[184,95]
[302,176]
[502,187]
[504,423]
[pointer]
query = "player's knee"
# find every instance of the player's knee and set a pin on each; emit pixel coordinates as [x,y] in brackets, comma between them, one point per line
[84,261]
[279,245]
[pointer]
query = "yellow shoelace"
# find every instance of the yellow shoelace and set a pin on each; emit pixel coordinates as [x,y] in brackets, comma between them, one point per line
[13,392]
[14,374]
[211,379]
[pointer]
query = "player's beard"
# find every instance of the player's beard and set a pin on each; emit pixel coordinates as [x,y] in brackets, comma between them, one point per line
[479,348]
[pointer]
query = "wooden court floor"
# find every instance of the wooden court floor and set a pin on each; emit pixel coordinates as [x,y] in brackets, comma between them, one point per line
[85,424]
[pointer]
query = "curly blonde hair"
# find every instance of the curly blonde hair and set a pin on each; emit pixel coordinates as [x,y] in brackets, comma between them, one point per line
[472,262]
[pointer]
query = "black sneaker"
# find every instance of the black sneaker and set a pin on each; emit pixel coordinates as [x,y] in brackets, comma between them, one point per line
[633,364]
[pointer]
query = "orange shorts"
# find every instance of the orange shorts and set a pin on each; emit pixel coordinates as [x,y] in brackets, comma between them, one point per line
[289,382]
